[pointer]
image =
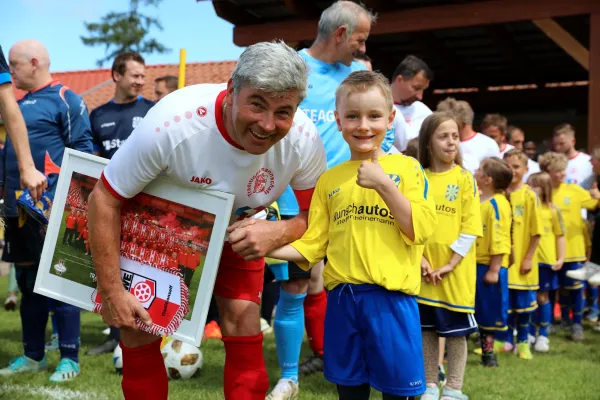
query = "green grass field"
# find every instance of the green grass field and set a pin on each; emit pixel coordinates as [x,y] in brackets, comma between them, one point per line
[567,373]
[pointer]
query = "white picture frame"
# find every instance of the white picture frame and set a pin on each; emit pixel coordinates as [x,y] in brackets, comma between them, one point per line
[69,291]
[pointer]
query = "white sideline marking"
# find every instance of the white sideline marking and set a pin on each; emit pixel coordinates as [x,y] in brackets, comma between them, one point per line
[50,393]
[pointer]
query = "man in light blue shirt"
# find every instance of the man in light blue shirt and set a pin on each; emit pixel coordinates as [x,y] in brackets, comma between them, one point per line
[342,33]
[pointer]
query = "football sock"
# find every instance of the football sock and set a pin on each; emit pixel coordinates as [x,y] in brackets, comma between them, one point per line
[486,338]
[509,333]
[552,296]
[245,371]
[457,361]
[115,334]
[522,327]
[362,392]
[565,305]
[534,322]
[144,373]
[53,322]
[315,306]
[545,314]
[68,323]
[592,297]
[268,301]
[289,330]
[577,301]
[34,315]
[431,346]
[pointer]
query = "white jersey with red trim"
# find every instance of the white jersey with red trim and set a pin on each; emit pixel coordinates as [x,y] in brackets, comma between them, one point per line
[476,149]
[505,150]
[184,138]
[414,115]
[402,131]
[532,167]
[580,170]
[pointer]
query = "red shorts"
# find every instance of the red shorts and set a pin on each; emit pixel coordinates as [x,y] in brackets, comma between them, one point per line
[238,278]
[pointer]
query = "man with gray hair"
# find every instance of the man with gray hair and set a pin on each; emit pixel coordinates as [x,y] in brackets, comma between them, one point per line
[247,138]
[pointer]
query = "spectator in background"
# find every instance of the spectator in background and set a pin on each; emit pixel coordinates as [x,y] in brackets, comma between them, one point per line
[516,138]
[56,118]
[163,85]
[579,168]
[365,60]
[530,148]
[112,123]
[495,126]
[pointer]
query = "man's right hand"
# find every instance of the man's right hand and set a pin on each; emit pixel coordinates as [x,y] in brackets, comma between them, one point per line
[121,310]
[35,181]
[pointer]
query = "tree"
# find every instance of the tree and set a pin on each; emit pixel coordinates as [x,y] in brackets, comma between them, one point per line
[125,31]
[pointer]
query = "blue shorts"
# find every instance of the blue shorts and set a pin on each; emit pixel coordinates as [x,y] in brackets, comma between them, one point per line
[373,336]
[564,281]
[548,278]
[491,301]
[445,322]
[522,301]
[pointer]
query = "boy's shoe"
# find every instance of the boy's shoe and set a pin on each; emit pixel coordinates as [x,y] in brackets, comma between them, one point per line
[441,375]
[594,280]
[584,273]
[577,333]
[24,364]
[431,393]
[313,364]
[265,328]
[286,389]
[66,370]
[106,331]
[11,303]
[212,330]
[531,340]
[489,360]
[542,344]
[524,351]
[52,344]
[592,316]
[451,394]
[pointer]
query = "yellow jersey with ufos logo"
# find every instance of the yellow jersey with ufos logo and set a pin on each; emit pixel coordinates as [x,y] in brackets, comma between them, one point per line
[552,227]
[527,222]
[457,207]
[571,199]
[496,219]
[355,229]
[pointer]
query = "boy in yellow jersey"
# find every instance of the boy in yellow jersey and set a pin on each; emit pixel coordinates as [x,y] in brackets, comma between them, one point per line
[551,257]
[493,248]
[523,279]
[591,292]
[570,199]
[370,218]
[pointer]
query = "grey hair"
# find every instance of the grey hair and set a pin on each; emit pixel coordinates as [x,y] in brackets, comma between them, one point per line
[342,13]
[272,67]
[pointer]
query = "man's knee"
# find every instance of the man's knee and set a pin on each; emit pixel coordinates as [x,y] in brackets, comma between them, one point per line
[238,317]
[295,286]
[133,338]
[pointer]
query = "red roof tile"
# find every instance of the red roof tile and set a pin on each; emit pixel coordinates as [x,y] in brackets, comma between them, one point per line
[96,86]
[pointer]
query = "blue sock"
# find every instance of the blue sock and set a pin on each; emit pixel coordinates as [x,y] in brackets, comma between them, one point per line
[552,296]
[53,320]
[577,302]
[510,323]
[68,322]
[289,330]
[545,314]
[564,300]
[534,323]
[34,314]
[592,298]
[523,327]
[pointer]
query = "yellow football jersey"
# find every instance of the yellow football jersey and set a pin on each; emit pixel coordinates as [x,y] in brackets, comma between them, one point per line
[355,229]
[552,227]
[571,199]
[496,217]
[457,205]
[527,222]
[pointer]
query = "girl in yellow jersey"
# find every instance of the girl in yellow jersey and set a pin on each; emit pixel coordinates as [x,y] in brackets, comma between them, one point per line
[370,217]
[570,199]
[523,279]
[493,248]
[551,256]
[447,298]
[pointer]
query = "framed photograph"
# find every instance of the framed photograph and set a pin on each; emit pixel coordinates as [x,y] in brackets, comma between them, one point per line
[164,228]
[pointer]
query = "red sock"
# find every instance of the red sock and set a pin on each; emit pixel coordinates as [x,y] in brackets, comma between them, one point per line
[315,306]
[245,371]
[144,373]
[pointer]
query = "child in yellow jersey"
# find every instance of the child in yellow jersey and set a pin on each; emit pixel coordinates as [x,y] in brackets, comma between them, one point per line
[570,199]
[370,217]
[551,257]
[523,279]
[493,248]
[447,297]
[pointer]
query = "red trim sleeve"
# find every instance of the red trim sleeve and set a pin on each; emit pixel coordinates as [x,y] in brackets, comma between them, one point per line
[110,188]
[304,197]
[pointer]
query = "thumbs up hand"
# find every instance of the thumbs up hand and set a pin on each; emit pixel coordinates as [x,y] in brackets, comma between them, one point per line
[594,191]
[370,173]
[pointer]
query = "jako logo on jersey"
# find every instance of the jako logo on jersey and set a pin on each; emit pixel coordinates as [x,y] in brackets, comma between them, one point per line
[29,102]
[320,115]
[135,121]
[262,182]
[451,192]
[203,181]
[201,111]
[330,195]
[395,178]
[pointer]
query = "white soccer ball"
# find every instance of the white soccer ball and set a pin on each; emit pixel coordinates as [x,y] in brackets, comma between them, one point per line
[118,359]
[182,360]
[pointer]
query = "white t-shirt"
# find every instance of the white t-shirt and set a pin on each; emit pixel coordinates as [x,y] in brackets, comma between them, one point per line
[580,170]
[507,147]
[533,167]
[477,148]
[183,137]
[402,132]
[413,117]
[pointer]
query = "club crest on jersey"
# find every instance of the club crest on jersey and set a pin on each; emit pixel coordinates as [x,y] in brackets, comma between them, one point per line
[451,192]
[135,121]
[262,182]
[519,210]
[395,178]
[567,201]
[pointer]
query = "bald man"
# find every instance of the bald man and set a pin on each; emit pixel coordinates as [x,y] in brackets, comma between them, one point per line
[55,118]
